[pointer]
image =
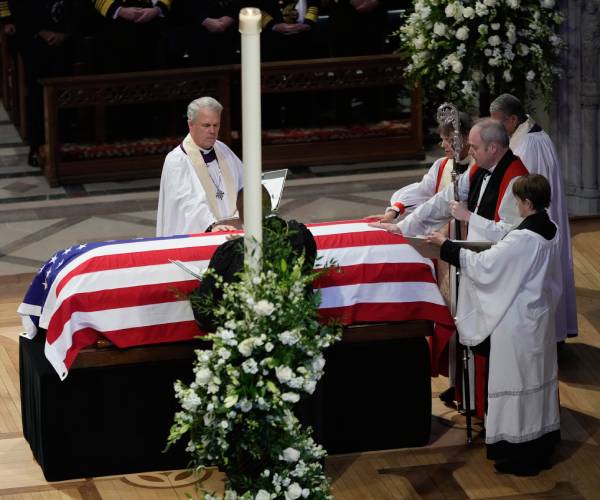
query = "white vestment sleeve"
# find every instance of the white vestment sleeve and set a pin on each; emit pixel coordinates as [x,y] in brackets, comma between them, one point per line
[182,205]
[418,193]
[490,230]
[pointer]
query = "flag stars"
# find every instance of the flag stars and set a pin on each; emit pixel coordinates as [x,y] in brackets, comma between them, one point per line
[67,250]
[60,263]
[82,246]
[53,259]
[45,283]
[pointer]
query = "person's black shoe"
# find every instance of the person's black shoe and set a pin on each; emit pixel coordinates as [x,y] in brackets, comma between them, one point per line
[447,397]
[33,159]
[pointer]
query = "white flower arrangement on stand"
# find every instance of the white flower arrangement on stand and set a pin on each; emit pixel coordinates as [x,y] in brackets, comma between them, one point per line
[465,47]
[265,356]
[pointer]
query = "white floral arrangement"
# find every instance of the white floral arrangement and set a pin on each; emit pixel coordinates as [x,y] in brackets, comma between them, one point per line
[459,48]
[265,357]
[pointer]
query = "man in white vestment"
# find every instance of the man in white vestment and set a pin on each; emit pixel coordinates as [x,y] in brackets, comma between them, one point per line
[509,294]
[407,198]
[201,177]
[537,152]
[486,203]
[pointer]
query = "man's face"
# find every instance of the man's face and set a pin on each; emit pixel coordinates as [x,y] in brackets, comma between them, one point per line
[509,122]
[483,154]
[205,128]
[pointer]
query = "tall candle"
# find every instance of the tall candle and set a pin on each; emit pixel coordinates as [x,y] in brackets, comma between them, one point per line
[250,27]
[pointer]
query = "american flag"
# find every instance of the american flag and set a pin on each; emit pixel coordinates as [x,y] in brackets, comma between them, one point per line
[126,291]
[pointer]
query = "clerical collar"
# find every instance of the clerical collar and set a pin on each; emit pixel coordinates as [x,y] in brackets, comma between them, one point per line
[208,155]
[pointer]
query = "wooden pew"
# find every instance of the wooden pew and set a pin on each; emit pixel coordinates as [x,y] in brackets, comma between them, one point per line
[104,157]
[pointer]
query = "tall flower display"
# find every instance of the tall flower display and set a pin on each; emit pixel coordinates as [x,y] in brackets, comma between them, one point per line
[267,353]
[460,48]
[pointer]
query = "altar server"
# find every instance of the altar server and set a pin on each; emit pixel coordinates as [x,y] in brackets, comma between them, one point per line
[201,177]
[487,204]
[509,294]
[537,152]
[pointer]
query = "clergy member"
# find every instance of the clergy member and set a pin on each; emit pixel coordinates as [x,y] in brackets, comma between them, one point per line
[201,177]
[487,204]
[535,148]
[509,294]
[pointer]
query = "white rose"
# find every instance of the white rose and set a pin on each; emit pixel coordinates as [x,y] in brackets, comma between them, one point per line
[290,397]
[250,366]
[294,491]
[469,12]
[191,402]
[494,61]
[246,346]
[489,3]
[245,406]
[495,26]
[263,307]
[457,66]
[318,363]
[494,40]
[224,353]
[290,455]
[462,33]
[441,84]
[283,373]
[530,75]
[262,495]
[523,49]
[548,4]
[269,347]
[507,76]
[454,10]
[424,13]
[481,10]
[288,338]
[305,492]
[203,375]
[419,42]
[296,382]
[310,386]
[483,29]
[513,4]
[439,29]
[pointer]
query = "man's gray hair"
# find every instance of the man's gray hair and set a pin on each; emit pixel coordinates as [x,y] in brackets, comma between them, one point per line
[509,105]
[201,103]
[492,131]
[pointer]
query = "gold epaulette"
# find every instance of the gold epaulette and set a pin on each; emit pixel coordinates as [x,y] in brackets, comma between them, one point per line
[312,14]
[102,6]
[4,9]
[266,19]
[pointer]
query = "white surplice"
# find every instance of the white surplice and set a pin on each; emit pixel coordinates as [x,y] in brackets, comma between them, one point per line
[511,292]
[417,193]
[538,154]
[435,212]
[183,204]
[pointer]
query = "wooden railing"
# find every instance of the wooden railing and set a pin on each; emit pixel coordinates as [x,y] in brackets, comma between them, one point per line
[76,106]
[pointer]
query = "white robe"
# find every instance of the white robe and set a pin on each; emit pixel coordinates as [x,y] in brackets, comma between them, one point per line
[510,292]
[539,156]
[183,207]
[417,193]
[435,212]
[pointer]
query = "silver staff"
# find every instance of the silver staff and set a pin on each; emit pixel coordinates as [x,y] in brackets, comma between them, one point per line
[447,114]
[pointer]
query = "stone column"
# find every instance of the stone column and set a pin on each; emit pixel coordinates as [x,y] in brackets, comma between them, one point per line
[576,113]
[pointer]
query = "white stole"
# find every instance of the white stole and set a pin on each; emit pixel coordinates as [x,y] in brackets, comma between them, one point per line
[201,169]
[520,132]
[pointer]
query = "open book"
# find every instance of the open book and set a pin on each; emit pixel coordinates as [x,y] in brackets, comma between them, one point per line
[419,243]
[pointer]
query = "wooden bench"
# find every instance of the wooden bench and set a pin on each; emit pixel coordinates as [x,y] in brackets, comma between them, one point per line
[91,103]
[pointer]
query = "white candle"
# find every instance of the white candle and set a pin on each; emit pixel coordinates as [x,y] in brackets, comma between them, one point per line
[250,19]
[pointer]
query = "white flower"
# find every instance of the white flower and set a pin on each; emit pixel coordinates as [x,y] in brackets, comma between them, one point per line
[481,10]
[548,4]
[231,400]
[457,66]
[294,491]
[284,373]
[477,76]
[290,397]
[246,346]
[224,424]
[290,455]
[462,33]
[305,492]
[489,3]
[424,12]
[318,363]
[224,353]
[269,347]
[487,52]
[262,495]
[530,75]
[469,12]
[250,366]
[296,383]
[310,386]
[507,76]
[191,401]
[419,42]
[439,29]
[495,26]
[263,308]
[494,40]
[288,337]
[454,10]
[245,406]
[513,4]
[441,84]
[203,375]
[494,61]
[482,29]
